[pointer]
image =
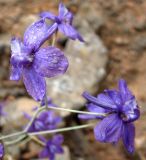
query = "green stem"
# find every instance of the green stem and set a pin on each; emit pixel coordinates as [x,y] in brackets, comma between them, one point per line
[61,130]
[76,111]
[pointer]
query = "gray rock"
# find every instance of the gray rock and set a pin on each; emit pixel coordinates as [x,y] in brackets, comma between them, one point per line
[87,62]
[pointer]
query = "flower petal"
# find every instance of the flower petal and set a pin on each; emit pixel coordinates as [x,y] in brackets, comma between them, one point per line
[128,137]
[15,74]
[96,109]
[48,15]
[58,139]
[70,32]
[62,10]
[44,153]
[1,151]
[109,129]
[131,110]
[34,83]
[115,96]
[102,100]
[37,33]
[50,62]
[125,92]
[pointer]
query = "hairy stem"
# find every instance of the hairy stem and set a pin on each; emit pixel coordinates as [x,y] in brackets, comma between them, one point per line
[33,118]
[61,129]
[76,111]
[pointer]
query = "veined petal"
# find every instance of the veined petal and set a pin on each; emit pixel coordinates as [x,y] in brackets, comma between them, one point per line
[34,83]
[109,129]
[62,10]
[125,92]
[37,33]
[48,15]
[128,137]
[97,109]
[15,74]
[50,62]
[70,32]
[115,96]
[102,100]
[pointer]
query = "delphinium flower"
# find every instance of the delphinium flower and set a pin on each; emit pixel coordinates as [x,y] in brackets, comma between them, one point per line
[33,63]
[63,22]
[121,109]
[1,151]
[47,120]
[52,147]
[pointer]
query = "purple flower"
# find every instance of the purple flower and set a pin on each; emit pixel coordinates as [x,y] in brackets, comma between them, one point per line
[63,22]
[1,151]
[122,110]
[47,120]
[33,63]
[2,113]
[52,147]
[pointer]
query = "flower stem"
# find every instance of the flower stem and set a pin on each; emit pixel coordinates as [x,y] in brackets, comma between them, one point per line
[76,111]
[61,129]
[35,139]
[33,117]
[13,135]
[54,39]
[21,138]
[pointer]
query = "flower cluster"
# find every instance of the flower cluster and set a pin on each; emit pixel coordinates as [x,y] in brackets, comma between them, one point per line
[52,147]
[31,61]
[121,109]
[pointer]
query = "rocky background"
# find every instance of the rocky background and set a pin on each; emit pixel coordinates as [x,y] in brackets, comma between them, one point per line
[115,35]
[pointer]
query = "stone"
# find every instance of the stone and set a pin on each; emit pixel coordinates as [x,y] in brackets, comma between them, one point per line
[87,67]
[15,110]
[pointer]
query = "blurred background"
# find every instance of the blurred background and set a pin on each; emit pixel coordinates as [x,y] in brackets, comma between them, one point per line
[115,35]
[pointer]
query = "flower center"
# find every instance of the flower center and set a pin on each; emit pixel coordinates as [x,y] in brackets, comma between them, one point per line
[21,60]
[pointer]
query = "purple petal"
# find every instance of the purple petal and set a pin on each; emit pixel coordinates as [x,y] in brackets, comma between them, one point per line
[58,139]
[34,83]
[62,10]
[37,33]
[115,96]
[48,15]
[125,92]
[109,129]
[102,100]
[86,116]
[15,74]
[128,137]
[59,149]
[131,110]
[1,151]
[50,62]
[18,48]
[44,153]
[70,32]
